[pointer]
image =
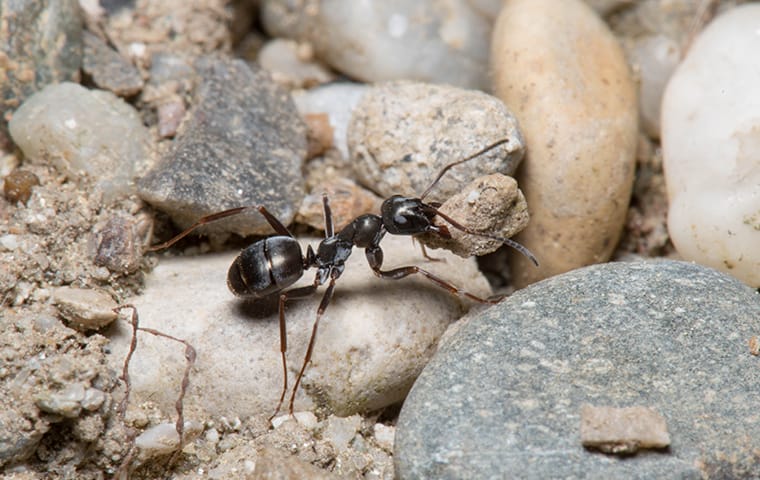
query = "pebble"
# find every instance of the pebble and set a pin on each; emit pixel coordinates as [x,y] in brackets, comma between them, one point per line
[347,201]
[85,309]
[243,144]
[292,64]
[403,133]
[119,243]
[502,397]
[41,43]
[338,101]
[361,361]
[66,402]
[371,41]
[79,130]
[18,185]
[163,438]
[623,431]
[562,72]
[108,69]
[491,205]
[710,129]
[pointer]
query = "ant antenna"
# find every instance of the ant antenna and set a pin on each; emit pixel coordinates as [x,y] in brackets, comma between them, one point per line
[458,162]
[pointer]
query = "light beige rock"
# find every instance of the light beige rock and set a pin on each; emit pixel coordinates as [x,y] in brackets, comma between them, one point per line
[373,340]
[492,205]
[623,430]
[563,74]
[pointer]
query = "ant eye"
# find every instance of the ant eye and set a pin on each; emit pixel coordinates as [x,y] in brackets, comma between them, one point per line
[399,219]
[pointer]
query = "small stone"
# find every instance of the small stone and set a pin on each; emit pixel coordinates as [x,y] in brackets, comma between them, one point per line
[338,101]
[492,205]
[622,430]
[243,145]
[425,40]
[562,71]
[402,134]
[170,116]
[319,134]
[40,44]
[86,309]
[290,67]
[347,201]
[88,428]
[18,185]
[711,147]
[119,244]
[274,464]
[83,131]
[754,345]
[340,431]
[384,436]
[163,438]
[108,69]
[93,399]
[66,402]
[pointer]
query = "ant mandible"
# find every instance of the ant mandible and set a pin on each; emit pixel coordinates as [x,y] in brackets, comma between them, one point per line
[269,266]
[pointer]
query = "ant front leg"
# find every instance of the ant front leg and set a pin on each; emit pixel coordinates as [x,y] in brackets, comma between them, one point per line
[375,260]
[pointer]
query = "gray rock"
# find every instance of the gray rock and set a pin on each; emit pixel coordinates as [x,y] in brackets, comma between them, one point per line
[426,40]
[403,133]
[108,69]
[243,144]
[41,43]
[502,397]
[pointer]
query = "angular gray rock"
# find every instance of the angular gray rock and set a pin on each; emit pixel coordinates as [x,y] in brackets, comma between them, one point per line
[502,397]
[243,144]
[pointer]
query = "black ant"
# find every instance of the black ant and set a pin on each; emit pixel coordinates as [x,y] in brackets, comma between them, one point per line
[269,266]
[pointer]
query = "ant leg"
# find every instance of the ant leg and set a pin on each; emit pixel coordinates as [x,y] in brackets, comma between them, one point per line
[284,297]
[425,253]
[375,260]
[271,219]
[329,232]
[322,307]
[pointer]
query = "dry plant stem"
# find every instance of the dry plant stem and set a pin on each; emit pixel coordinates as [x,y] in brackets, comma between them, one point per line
[190,356]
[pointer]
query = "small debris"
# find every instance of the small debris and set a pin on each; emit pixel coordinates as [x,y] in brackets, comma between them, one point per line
[119,243]
[18,185]
[623,431]
[492,205]
[108,69]
[754,345]
[319,134]
[86,309]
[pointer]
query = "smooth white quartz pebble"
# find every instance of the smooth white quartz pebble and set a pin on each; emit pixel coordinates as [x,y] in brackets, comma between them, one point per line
[711,147]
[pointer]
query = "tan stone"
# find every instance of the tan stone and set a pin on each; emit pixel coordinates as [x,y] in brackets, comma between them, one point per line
[557,66]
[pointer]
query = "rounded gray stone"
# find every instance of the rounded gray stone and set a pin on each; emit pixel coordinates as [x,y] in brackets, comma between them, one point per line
[502,397]
[41,44]
[242,145]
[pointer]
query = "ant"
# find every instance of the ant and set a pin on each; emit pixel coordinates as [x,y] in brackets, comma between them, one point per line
[271,265]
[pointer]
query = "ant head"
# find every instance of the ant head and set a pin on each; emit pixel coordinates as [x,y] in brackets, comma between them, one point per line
[406,216]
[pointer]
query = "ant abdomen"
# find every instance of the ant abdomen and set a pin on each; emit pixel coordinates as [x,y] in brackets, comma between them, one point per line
[266,267]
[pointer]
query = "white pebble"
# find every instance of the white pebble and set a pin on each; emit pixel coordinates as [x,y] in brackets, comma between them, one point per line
[711,147]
